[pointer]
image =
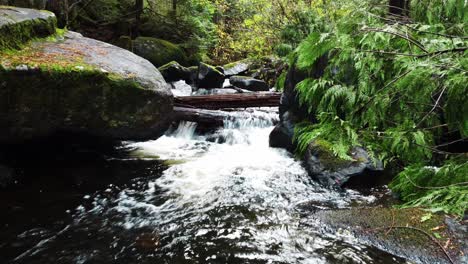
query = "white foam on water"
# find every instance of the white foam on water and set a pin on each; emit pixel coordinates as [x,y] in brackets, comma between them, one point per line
[244,172]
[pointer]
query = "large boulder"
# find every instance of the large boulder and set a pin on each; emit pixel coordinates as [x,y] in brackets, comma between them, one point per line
[209,77]
[158,51]
[19,25]
[173,72]
[248,83]
[329,170]
[82,85]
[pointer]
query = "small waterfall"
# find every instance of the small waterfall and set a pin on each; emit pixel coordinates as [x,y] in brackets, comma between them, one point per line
[234,200]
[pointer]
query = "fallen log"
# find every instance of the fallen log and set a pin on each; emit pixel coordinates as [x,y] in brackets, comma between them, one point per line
[201,116]
[243,100]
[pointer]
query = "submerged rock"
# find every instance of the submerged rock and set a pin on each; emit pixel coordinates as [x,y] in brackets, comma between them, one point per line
[19,25]
[331,171]
[81,85]
[249,83]
[209,77]
[158,51]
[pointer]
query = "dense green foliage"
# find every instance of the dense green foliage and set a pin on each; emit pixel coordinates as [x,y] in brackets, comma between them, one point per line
[400,83]
[442,189]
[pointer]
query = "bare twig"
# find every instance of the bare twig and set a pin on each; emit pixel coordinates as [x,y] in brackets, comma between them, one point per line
[433,108]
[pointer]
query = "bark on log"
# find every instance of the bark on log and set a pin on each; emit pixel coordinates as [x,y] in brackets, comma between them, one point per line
[230,100]
[201,116]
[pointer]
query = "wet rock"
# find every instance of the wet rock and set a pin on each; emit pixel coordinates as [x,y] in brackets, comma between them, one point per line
[238,67]
[249,83]
[290,110]
[173,72]
[181,88]
[332,171]
[397,231]
[158,51]
[19,25]
[283,133]
[220,69]
[84,86]
[459,230]
[209,77]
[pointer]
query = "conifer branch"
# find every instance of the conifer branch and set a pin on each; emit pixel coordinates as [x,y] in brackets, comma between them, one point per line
[413,41]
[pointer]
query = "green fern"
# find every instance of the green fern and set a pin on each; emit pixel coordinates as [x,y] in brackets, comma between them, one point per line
[398,89]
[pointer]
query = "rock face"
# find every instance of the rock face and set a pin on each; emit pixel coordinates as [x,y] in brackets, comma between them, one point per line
[158,51]
[19,25]
[249,83]
[209,77]
[80,85]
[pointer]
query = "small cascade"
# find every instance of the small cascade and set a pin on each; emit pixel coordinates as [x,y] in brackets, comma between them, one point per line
[228,200]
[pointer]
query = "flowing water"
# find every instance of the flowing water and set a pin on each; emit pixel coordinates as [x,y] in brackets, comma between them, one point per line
[226,197]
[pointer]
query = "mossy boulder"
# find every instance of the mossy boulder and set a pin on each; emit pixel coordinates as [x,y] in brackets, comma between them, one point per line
[125,42]
[249,83]
[209,77]
[20,25]
[158,51]
[330,170]
[80,85]
[173,72]
[238,67]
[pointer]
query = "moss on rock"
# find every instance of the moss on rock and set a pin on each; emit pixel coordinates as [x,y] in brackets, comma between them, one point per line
[158,51]
[20,25]
[80,85]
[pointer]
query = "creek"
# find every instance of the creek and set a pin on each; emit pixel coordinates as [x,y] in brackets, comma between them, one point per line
[221,197]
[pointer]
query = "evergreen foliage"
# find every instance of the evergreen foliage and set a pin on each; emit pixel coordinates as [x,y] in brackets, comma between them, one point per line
[400,83]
